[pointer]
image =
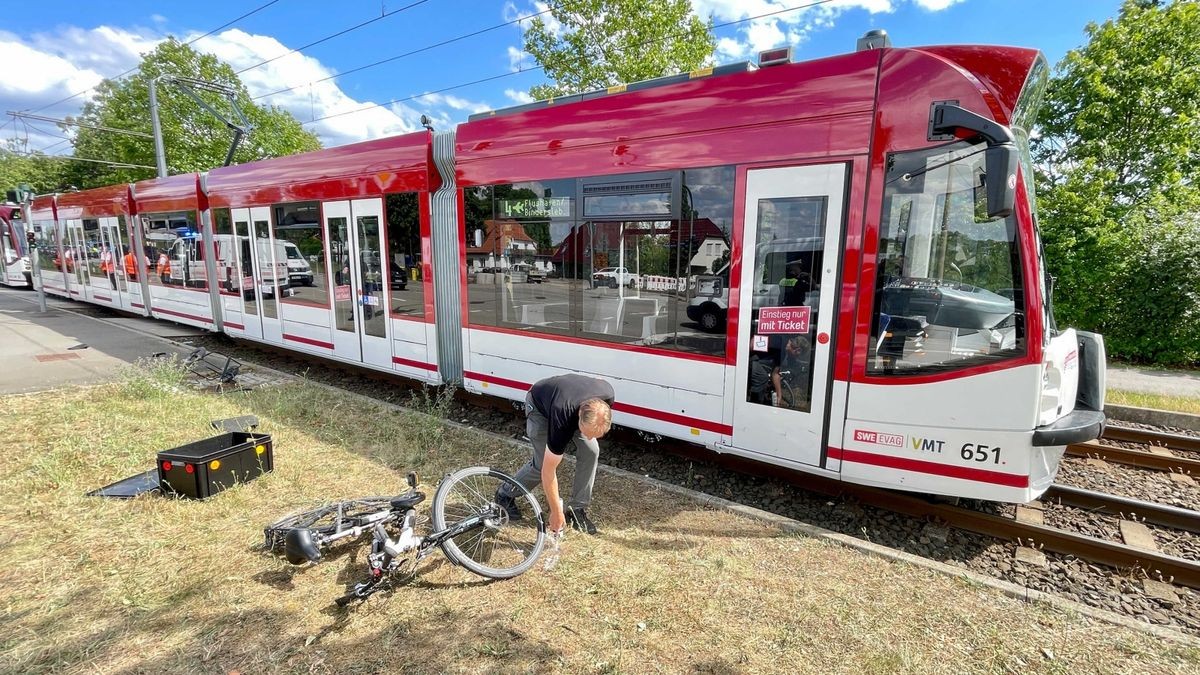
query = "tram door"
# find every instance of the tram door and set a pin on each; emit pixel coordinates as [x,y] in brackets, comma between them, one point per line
[357,259]
[255,262]
[790,246]
[111,262]
[74,264]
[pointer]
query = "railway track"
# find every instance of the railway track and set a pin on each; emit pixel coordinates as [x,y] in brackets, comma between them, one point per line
[1161,456]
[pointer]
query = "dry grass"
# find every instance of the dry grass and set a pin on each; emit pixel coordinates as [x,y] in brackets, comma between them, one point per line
[162,585]
[1139,399]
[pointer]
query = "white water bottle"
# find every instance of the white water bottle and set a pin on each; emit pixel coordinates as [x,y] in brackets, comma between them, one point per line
[551,557]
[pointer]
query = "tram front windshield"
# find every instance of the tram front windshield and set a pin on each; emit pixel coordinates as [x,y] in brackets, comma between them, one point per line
[949,291]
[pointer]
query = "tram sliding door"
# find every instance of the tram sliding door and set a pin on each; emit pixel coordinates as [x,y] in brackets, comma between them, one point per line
[110,262]
[360,304]
[249,257]
[75,260]
[790,246]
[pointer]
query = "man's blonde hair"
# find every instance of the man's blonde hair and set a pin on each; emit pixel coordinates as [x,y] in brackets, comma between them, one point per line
[595,412]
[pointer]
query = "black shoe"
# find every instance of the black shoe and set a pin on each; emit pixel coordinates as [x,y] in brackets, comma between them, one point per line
[510,505]
[579,520]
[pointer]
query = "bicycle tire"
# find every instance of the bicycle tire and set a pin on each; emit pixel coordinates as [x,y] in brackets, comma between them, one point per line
[502,548]
[323,519]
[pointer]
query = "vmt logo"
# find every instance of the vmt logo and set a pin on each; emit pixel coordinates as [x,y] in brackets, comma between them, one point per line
[927,444]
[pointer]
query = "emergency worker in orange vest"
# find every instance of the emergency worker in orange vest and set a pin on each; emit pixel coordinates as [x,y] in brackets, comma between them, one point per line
[108,266]
[164,268]
[130,265]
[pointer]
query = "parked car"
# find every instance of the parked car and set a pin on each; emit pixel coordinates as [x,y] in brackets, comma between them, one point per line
[710,306]
[532,274]
[398,276]
[613,277]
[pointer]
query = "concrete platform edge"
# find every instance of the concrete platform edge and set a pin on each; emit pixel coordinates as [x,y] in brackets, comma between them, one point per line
[1162,418]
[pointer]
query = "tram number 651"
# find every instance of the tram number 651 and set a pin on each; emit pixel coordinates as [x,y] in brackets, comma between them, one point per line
[980,453]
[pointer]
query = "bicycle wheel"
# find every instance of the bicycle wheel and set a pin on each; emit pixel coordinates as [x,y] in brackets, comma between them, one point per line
[325,519]
[499,547]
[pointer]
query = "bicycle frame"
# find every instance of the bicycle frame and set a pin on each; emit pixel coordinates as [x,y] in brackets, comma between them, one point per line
[386,552]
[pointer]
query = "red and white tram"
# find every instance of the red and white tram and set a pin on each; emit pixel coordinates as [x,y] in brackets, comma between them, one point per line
[831,266]
[15,268]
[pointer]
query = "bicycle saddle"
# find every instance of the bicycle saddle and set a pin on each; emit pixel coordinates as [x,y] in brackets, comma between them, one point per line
[299,546]
[407,500]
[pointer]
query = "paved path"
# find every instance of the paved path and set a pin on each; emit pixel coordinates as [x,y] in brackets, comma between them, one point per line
[35,347]
[1149,381]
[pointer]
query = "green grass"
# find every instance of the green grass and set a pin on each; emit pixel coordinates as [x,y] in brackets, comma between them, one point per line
[170,585]
[1137,399]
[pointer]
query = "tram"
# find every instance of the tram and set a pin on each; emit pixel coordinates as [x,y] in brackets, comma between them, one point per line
[14,256]
[857,231]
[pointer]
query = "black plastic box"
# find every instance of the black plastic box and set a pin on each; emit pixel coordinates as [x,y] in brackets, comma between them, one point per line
[202,469]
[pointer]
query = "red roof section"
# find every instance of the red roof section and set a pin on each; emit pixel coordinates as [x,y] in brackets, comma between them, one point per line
[1003,70]
[173,193]
[111,200]
[371,168]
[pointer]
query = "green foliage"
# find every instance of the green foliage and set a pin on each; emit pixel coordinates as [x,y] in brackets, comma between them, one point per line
[42,174]
[1119,160]
[608,42]
[195,140]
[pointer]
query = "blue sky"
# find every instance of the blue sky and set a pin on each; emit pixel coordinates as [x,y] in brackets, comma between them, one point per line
[65,47]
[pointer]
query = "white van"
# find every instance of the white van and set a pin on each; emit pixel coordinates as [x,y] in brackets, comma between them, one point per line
[186,254]
[299,271]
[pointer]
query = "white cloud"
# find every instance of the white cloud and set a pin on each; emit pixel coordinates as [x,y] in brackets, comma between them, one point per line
[936,5]
[518,96]
[72,60]
[307,101]
[518,60]
[787,27]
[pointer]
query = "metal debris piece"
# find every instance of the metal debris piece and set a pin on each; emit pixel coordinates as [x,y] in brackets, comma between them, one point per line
[212,365]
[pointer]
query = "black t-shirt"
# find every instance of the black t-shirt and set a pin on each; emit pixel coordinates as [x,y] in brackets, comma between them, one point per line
[558,398]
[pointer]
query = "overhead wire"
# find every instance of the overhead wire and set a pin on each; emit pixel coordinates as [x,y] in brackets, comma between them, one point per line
[117,77]
[337,34]
[536,68]
[405,54]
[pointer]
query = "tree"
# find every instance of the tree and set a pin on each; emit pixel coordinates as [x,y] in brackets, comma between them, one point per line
[194,139]
[608,42]
[41,173]
[1119,167]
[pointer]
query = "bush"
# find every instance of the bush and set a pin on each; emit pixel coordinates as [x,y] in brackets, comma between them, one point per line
[1156,316]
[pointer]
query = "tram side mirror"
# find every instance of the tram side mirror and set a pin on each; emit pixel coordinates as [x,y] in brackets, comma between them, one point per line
[1000,180]
[946,119]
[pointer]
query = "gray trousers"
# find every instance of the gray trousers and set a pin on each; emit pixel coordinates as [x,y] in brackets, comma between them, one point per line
[587,454]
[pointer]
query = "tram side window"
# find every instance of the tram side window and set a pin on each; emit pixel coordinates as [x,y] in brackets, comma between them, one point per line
[47,245]
[621,265]
[299,240]
[519,270]
[405,277]
[225,252]
[92,249]
[172,253]
[949,291]
[647,257]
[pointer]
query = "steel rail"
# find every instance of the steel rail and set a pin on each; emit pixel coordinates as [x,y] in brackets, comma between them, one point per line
[1121,556]
[1159,438]
[1100,502]
[1138,458]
